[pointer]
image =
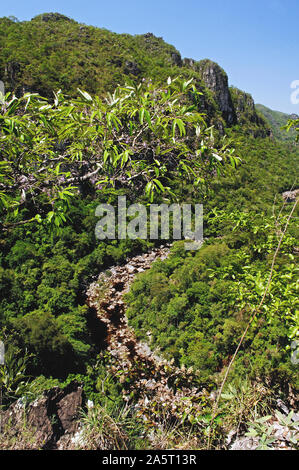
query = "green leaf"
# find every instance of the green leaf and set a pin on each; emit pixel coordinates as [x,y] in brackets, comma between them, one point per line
[85,95]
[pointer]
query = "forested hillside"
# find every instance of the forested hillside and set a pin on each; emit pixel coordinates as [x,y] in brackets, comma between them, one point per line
[53,52]
[91,115]
[278,121]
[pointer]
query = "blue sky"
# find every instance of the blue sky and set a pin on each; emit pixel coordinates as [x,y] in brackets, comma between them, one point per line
[255,41]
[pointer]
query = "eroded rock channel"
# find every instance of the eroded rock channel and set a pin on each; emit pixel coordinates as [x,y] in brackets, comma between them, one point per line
[154,381]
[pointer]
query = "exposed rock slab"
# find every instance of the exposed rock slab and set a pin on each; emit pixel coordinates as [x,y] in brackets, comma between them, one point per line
[48,419]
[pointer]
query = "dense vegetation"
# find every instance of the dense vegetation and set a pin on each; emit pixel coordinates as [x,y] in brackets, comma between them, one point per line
[59,161]
[64,153]
[197,306]
[141,140]
[52,52]
[278,121]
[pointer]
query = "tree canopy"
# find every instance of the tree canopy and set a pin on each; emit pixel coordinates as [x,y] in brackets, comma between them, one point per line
[140,138]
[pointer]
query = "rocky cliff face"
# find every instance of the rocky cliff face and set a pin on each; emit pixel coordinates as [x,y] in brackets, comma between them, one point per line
[244,102]
[235,106]
[247,115]
[216,80]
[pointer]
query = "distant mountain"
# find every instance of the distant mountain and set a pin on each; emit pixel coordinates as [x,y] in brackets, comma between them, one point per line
[276,121]
[53,52]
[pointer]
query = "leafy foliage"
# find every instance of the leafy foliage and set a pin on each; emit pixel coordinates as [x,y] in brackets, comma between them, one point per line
[13,376]
[141,139]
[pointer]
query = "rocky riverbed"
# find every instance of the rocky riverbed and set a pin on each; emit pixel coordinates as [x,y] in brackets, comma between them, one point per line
[155,381]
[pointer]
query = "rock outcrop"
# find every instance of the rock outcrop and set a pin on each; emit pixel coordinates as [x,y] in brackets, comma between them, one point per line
[236,107]
[290,196]
[187,62]
[51,420]
[131,68]
[216,81]
[247,115]
[176,59]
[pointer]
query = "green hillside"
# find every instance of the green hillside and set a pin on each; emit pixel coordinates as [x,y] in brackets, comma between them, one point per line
[276,121]
[135,119]
[53,52]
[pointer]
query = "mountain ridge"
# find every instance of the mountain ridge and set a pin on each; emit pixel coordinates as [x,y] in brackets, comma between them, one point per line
[52,51]
[277,120]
